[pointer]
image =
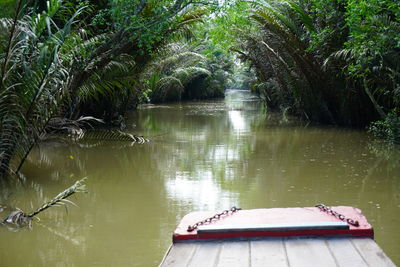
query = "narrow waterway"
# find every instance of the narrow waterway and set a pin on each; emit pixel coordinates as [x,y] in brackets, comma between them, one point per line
[206,155]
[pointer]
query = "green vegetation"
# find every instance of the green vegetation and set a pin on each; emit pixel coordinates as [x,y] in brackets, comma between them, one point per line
[68,59]
[182,71]
[335,61]
[389,128]
[330,61]
[19,219]
[63,63]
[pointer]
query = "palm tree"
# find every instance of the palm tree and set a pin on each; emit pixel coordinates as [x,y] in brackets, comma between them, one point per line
[293,75]
[171,71]
[34,78]
[47,66]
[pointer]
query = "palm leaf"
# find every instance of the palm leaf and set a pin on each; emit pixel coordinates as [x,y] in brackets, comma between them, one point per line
[38,77]
[20,219]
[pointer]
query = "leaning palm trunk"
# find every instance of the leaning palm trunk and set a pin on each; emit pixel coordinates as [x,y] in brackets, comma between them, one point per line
[378,108]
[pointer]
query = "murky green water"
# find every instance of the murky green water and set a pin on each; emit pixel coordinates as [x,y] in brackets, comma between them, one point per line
[203,156]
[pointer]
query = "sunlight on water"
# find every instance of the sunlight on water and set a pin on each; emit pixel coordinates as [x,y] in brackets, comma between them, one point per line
[205,191]
[237,121]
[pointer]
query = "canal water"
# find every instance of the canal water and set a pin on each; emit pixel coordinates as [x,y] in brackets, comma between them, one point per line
[207,155]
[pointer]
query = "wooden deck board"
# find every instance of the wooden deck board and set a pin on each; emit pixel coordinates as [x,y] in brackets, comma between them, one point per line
[345,253]
[179,255]
[279,252]
[268,251]
[206,255]
[234,254]
[308,252]
[372,253]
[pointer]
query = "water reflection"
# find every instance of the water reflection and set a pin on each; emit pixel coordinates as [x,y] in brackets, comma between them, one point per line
[203,155]
[237,121]
[203,194]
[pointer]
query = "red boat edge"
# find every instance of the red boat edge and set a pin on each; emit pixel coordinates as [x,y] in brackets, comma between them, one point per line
[273,223]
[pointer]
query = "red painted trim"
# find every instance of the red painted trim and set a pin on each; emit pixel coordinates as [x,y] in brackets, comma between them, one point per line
[351,232]
[274,216]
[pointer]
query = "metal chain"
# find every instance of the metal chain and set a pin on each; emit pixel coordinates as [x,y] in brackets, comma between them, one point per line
[337,215]
[216,217]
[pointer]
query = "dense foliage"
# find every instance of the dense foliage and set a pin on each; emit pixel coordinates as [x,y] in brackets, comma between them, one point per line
[183,70]
[388,128]
[335,61]
[68,59]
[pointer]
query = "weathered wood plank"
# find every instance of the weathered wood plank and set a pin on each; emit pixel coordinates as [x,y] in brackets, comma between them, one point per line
[234,254]
[345,253]
[179,255]
[308,252]
[372,253]
[268,253]
[206,254]
[279,252]
[275,227]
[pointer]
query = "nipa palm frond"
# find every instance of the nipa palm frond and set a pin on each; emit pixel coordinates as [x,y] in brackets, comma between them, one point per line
[185,75]
[78,187]
[112,136]
[20,219]
[33,81]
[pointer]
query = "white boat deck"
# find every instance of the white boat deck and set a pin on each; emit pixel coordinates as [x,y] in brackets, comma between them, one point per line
[277,252]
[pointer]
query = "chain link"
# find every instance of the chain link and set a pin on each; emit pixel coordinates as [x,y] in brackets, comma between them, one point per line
[216,217]
[341,217]
[322,207]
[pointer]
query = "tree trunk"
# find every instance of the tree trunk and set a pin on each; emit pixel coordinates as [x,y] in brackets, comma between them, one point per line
[373,100]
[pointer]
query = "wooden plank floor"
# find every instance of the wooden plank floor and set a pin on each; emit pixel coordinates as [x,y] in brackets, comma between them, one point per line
[285,252]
